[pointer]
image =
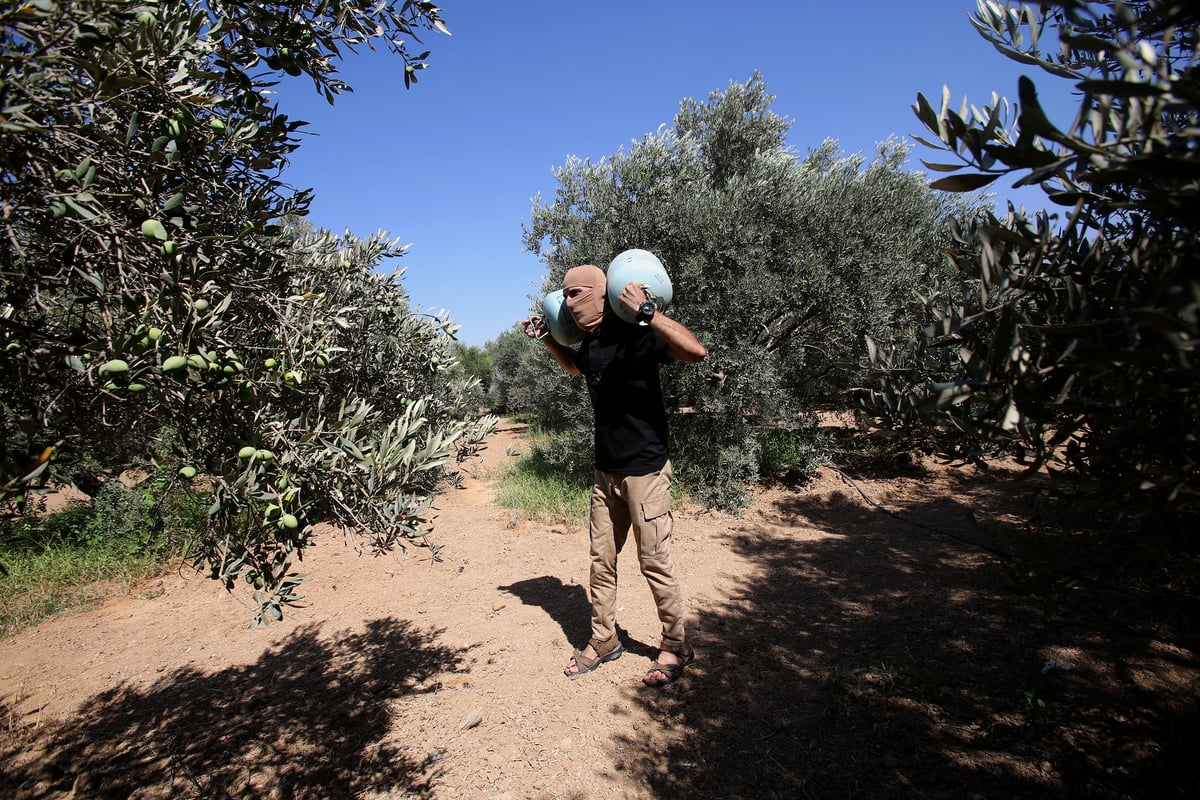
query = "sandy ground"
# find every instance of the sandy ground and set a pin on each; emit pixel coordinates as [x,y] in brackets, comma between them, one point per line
[844,650]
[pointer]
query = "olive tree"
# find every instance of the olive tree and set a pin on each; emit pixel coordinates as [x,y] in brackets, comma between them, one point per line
[506,355]
[153,276]
[1076,343]
[781,265]
[474,362]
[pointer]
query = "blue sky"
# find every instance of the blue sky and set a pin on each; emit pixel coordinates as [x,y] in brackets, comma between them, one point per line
[452,165]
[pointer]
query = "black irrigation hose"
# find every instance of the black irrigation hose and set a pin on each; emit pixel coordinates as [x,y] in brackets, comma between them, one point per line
[1001,554]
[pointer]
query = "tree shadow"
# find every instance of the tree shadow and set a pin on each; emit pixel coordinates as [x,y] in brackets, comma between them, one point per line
[883,659]
[309,718]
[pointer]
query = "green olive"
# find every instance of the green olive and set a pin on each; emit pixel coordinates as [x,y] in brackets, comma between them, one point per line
[114,367]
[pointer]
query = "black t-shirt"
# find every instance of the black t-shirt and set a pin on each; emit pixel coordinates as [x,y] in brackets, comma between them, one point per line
[620,363]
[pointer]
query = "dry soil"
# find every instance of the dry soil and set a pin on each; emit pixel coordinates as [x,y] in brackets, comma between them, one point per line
[857,636]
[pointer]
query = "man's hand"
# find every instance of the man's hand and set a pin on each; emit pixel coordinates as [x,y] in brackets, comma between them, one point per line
[631,298]
[535,327]
[682,345]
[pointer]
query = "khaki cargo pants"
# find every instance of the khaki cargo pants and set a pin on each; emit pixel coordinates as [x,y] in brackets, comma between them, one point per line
[642,502]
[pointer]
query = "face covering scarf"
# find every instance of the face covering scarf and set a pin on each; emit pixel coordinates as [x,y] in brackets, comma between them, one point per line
[587,304]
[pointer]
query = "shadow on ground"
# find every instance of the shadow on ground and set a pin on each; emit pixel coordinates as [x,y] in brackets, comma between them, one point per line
[566,604]
[307,720]
[884,660]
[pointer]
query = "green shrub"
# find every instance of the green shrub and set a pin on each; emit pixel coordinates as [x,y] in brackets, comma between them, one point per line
[51,563]
[790,452]
[715,457]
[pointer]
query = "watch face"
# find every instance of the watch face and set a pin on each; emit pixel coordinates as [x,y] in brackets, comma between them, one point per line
[646,313]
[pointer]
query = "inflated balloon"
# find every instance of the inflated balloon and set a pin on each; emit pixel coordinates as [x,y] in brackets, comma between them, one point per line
[559,320]
[641,267]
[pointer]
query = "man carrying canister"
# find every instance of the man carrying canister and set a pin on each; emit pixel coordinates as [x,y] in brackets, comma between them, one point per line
[632,489]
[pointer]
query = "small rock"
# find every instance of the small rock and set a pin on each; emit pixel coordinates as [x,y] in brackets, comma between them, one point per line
[473,718]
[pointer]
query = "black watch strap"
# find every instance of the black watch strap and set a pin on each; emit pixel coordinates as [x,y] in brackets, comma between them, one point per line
[646,311]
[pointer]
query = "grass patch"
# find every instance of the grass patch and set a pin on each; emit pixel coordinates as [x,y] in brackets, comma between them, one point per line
[541,490]
[71,560]
[43,585]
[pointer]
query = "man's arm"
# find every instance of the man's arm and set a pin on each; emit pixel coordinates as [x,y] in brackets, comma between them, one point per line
[682,345]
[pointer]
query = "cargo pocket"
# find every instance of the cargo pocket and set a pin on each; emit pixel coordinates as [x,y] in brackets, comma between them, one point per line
[656,506]
[656,510]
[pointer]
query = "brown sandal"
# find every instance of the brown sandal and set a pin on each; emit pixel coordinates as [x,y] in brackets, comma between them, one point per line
[585,664]
[671,672]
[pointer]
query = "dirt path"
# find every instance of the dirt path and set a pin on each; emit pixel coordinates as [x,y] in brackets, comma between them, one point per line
[842,651]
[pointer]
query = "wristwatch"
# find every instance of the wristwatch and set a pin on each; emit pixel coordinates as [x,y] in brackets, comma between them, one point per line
[646,312]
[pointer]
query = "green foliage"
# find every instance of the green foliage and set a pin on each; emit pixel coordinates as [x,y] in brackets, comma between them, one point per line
[55,562]
[505,354]
[570,448]
[161,514]
[524,384]
[720,452]
[792,453]
[476,364]
[781,266]
[1074,339]
[154,273]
